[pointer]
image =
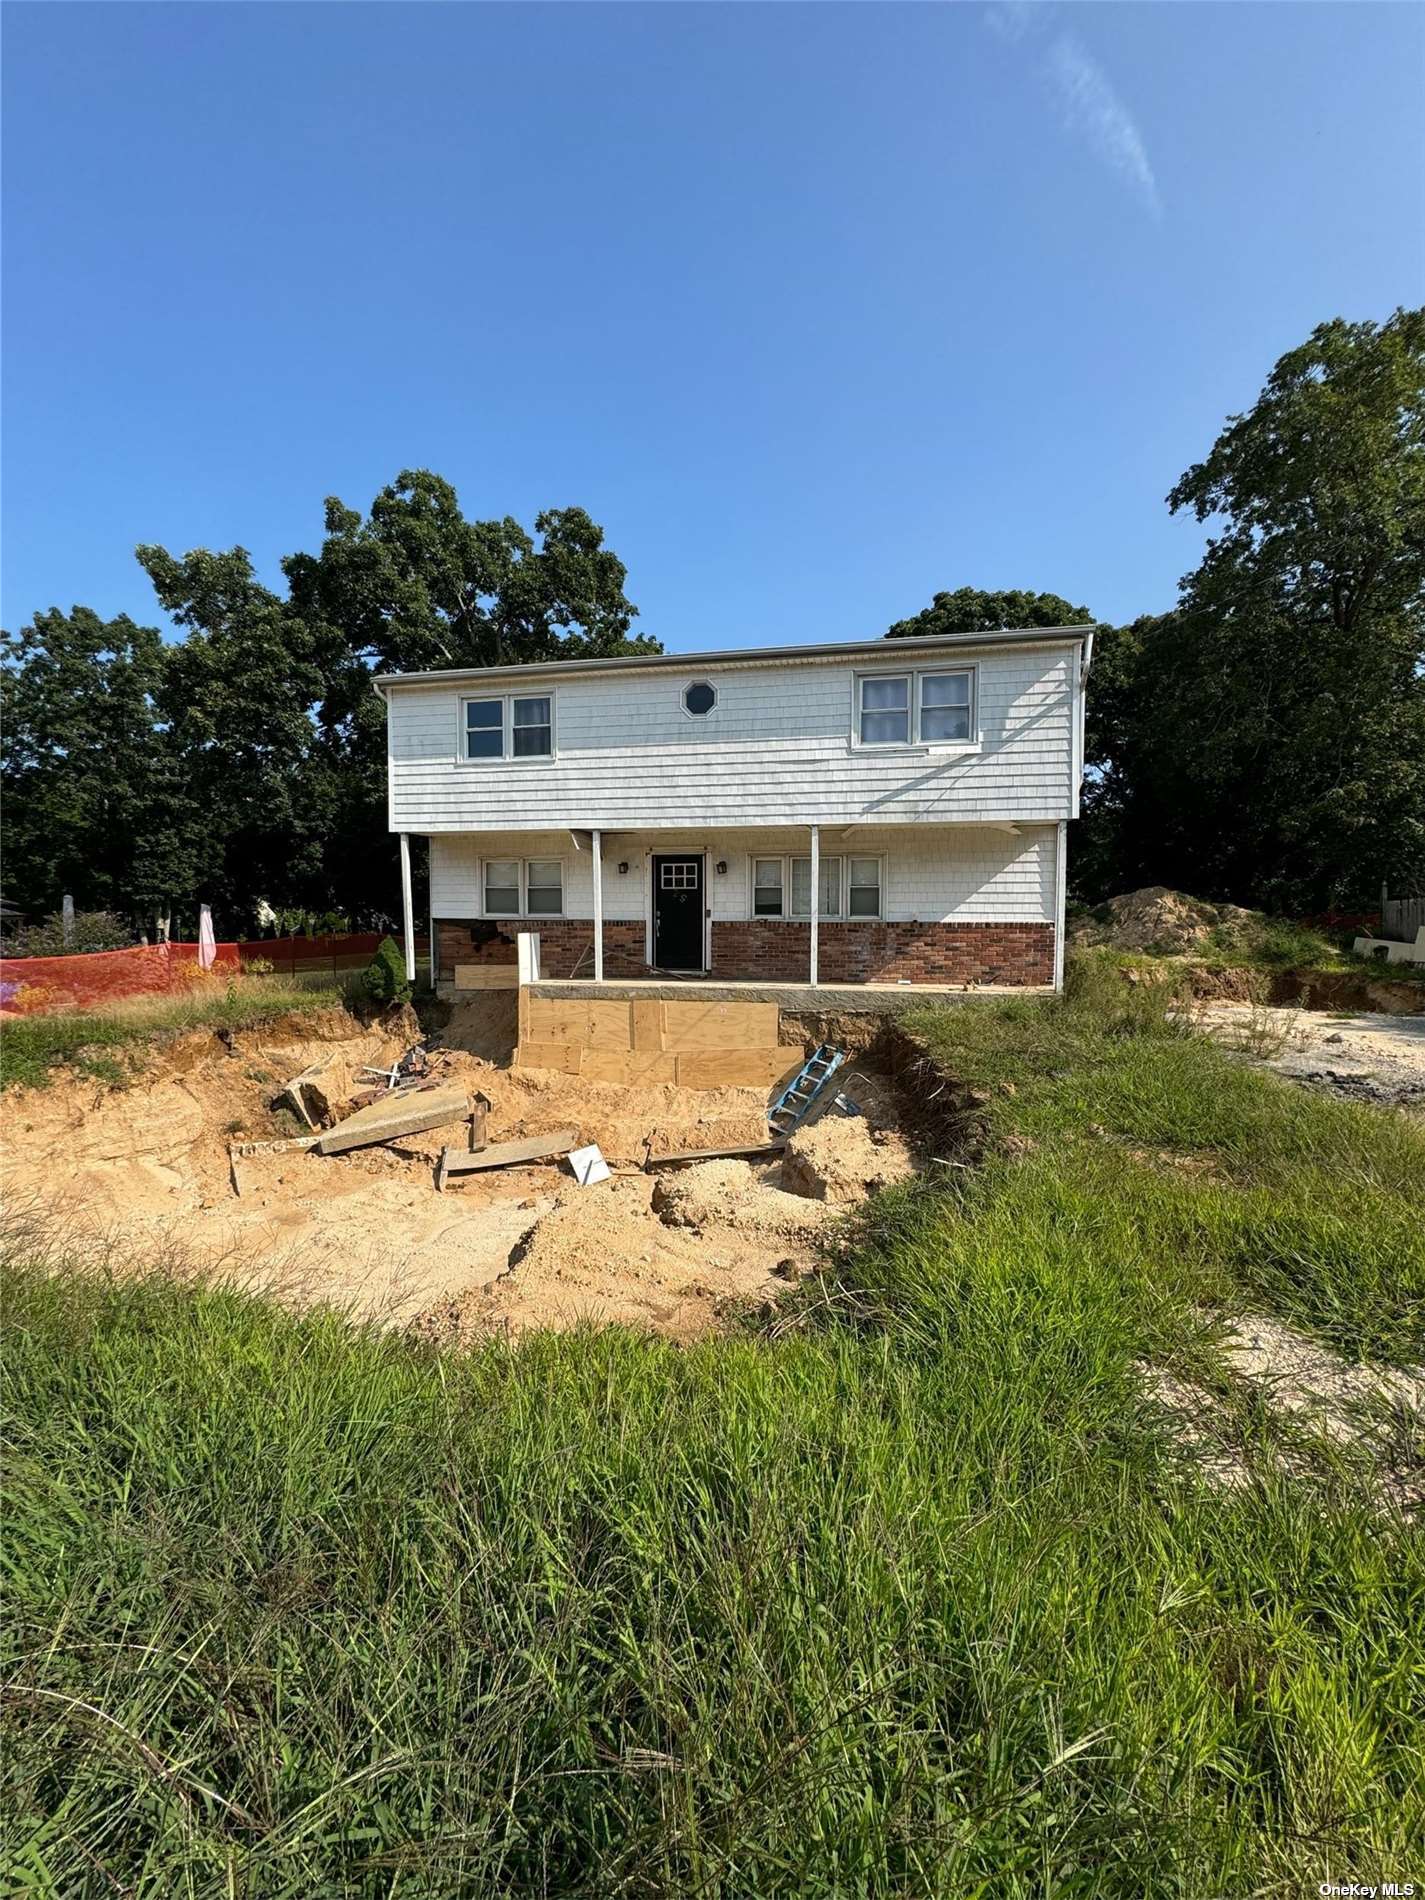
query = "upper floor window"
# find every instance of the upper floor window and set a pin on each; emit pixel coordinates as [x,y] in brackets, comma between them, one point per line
[699,699]
[916,708]
[513,726]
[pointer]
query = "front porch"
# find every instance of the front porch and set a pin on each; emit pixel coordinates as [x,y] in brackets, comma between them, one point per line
[942,909]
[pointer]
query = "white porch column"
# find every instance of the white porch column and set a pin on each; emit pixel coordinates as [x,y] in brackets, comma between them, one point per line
[407,909]
[598,869]
[1061,900]
[815,892]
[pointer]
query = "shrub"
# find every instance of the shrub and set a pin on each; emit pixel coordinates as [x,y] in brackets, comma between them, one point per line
[385,977]
[92,930]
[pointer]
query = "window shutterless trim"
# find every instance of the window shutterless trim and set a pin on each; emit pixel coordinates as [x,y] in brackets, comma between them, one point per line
[507,702]
[841,858]
[522,879]
[914,678]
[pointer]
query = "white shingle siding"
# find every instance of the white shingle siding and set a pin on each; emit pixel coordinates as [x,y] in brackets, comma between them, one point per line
[777,746]
[949,875]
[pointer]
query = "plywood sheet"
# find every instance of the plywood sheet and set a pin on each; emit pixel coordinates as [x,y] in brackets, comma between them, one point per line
[592,1025]
[719,1026]
[634,1068]
[487,976]
[647,1024]
[549,1055]
[737,1068]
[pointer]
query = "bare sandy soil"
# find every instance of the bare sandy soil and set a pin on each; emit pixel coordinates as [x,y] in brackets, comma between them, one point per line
[142,1173]
[1370,1058]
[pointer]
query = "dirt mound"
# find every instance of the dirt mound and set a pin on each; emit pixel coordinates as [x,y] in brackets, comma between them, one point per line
[842,1158]
[600,1256]
[734,1194]
[1154,918]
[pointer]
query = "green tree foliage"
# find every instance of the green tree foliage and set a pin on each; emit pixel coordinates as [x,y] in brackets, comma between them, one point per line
[88,930]
[1265,742]
[81,759]
[247,759]
[973,610]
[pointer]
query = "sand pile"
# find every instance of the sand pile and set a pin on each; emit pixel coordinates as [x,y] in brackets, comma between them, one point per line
[733,1194]
[136,1174]
[844,1158]
[1166,922]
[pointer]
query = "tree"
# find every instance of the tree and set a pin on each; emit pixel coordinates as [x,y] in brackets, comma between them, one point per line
[81,758]
[972,610]
[1270,733]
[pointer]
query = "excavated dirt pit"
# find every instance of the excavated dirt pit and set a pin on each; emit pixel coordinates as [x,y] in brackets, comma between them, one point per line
[141,1174]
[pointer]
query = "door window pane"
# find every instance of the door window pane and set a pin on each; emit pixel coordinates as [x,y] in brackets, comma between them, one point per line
[502,888]
[945,706]
[533,728]
[885,711]
[544,883]
[767,887]
[484,728]
[864,884]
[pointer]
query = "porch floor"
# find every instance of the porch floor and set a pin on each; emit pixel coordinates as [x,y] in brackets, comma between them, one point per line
[869,997]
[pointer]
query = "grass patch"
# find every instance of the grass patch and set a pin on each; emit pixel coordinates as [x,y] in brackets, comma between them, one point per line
[913,1599]
[31,1047]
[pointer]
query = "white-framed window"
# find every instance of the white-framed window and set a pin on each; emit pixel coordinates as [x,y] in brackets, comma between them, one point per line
[523,887]
[863,887]
[884,709]
[507,726]
[699,698]
[768,886]
[850,887]
[934,707]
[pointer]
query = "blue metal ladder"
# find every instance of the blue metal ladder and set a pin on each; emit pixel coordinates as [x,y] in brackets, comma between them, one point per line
[797,1100]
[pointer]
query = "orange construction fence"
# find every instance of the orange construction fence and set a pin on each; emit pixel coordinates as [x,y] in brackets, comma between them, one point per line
[34,985]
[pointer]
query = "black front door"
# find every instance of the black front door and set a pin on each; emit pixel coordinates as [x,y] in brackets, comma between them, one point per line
[678,911]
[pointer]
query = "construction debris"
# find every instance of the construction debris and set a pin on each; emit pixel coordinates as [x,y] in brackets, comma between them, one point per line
[313,1095]
[755,1151]
[394,1115]
[589,1165]
[505,1154]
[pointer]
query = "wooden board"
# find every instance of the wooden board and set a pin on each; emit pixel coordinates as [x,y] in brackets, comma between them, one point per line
[390,1119]
[509,1154]
[564,1056]
[593,1025]
[763,1151]
[635,1068]
[647,1023]
[737,1068]
[487,976]
[719,1026]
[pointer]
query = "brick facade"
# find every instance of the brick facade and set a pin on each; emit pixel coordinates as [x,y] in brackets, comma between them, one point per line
[776,951]
[876,952]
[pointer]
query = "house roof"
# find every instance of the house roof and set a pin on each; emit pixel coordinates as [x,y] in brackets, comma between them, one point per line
[881,649]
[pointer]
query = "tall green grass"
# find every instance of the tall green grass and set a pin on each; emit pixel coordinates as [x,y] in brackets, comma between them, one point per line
[911,1598]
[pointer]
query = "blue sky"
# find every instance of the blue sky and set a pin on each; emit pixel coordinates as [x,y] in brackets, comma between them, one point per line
[816,308]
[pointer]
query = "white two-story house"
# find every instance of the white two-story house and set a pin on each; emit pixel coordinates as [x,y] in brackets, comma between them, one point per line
[868,813]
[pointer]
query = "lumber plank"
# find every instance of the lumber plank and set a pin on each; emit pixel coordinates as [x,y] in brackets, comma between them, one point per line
[758,1151]
[389,1120]
[487,976]
[508,1154]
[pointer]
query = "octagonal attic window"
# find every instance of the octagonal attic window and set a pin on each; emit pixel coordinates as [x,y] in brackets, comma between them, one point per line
[699,699]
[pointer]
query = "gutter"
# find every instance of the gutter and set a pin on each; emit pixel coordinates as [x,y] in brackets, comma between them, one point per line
[887,651]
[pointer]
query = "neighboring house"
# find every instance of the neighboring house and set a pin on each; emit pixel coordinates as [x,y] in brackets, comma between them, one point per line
[675,813]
